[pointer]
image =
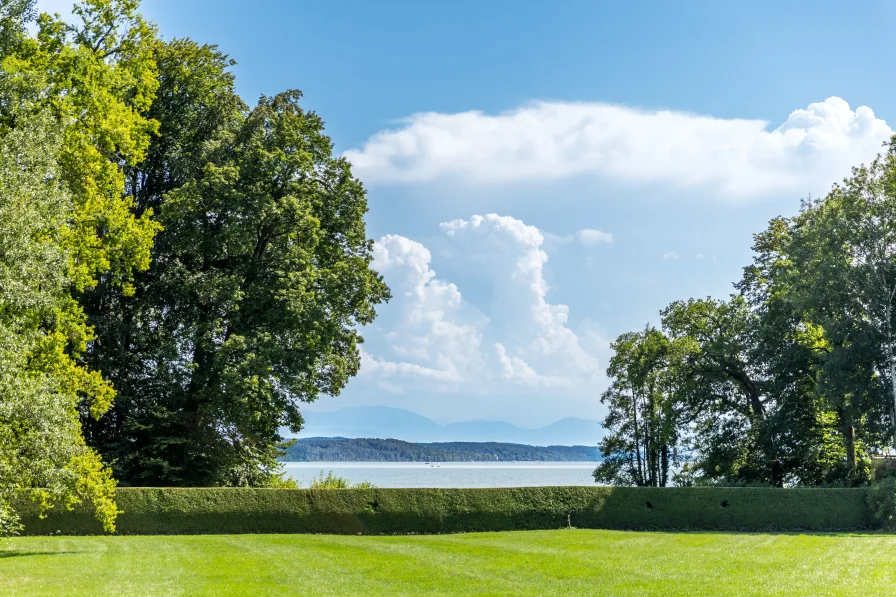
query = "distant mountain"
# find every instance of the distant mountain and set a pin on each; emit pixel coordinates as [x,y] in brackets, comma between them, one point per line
[334,449]
[571,427]
[394,423]
[495,431]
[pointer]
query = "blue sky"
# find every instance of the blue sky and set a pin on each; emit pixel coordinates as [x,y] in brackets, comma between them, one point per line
[545,176]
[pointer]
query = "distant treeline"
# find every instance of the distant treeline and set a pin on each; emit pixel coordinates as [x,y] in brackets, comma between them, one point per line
[393,450]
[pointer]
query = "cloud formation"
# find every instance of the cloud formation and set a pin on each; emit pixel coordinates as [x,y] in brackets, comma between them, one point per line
[587,237]
[431,337]
[734,158]
[435,336]
[590,238]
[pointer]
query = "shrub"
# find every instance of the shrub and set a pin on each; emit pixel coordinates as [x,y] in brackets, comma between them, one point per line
[411,511]
[329,482]
[882,502]
[280,481]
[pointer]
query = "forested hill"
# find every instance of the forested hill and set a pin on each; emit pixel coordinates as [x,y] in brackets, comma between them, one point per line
[393,450]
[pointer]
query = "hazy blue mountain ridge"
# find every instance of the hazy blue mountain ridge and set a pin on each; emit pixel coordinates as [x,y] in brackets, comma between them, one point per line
[394,423]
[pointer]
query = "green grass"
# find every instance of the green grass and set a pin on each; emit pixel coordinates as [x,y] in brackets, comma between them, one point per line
[565,562]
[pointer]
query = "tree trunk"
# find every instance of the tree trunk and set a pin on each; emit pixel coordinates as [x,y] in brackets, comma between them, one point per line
[777,474]
[640,479]
[665,466]
[892,369]
[650,443]
[849,436]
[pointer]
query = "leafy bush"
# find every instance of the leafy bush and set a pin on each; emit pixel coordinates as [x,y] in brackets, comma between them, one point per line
[411,511]
[882,503]
[280,481]
[332,482]
[329,482]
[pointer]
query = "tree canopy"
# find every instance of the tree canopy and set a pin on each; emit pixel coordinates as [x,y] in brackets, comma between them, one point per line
[41,386]
[71,98]
[259,280]
[179,272]
[792,380]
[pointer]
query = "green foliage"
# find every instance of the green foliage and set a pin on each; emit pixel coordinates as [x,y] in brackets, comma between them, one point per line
[715,384]
[843,249]
[882,502]
[280,481]
[412,511]
[725,394]
[99,78]
[41,445]
[329,482]
[645,411]
[259,282]
[393,450]
[71,103]
[332,482]
[13,16]
[793,380]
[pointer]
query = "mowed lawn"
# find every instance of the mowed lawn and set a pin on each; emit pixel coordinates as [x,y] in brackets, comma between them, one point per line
[564,562]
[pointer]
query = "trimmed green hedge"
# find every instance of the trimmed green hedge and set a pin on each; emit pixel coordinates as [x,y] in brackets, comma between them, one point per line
[409,511]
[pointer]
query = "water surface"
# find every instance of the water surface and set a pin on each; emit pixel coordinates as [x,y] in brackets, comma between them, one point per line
[449,474]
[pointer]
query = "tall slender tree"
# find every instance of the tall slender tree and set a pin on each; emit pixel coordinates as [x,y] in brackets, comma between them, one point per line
[645,409]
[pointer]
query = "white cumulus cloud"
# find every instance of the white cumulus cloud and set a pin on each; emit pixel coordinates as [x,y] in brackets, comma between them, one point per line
[590,238]
[429,337]
[733,158]
[435,335]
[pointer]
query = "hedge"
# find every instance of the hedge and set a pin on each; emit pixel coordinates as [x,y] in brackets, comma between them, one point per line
[411,511]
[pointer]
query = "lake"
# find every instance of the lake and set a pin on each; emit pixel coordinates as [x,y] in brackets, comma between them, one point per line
[449,474]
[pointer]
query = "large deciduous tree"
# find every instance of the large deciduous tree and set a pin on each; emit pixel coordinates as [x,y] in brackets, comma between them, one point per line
[755,416]
[41,386]
[259,280]
[728,397]
[70,117]
[98,78]
[793,380]
[844,248]
[821,395]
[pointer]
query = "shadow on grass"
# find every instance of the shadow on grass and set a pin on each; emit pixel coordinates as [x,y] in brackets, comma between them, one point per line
[774,532]
[16,553]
